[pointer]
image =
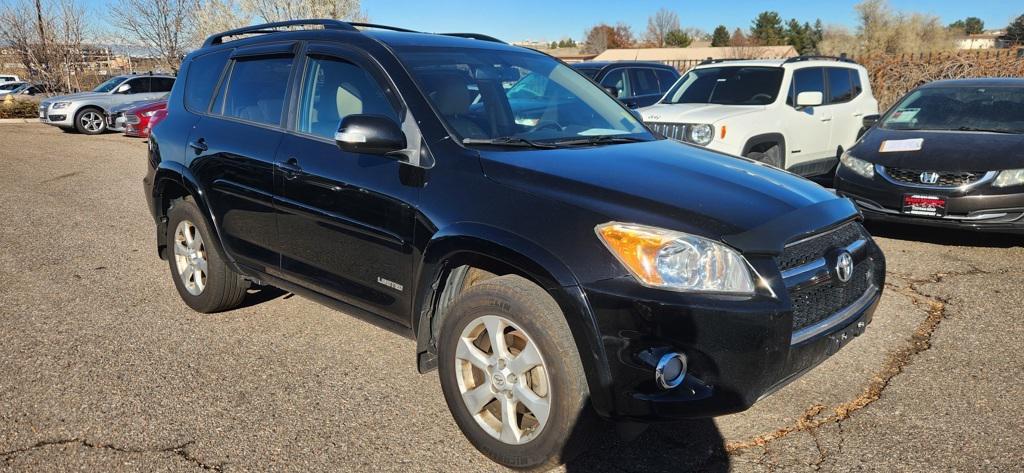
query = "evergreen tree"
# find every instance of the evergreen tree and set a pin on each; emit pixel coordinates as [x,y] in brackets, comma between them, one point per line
[720,37]
[678,39]
[767,30]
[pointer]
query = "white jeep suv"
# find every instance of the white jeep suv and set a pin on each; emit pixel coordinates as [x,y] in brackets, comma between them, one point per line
[797,114]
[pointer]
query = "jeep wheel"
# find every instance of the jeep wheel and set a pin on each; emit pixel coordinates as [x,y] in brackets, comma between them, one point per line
[511,374]
[203,279]
[771,156]
[90,121]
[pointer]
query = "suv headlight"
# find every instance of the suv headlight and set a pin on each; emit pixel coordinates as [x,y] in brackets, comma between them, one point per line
[60,105]
[700,134]
[678,261]
[858,166]
[1009,177]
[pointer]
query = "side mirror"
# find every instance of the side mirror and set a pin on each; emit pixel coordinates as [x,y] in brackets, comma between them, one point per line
[370,134]
[809,99]
[123,88]
[870,120]
[612,90]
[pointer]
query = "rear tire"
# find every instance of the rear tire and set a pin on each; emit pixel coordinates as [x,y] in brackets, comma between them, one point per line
[200,273]
[552,417]
[772,157]
[90,121]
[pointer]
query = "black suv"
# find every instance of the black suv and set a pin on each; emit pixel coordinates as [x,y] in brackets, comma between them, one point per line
[557,262]
[636,83]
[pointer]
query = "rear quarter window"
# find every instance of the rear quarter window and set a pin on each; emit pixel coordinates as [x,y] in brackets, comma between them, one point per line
[203,74]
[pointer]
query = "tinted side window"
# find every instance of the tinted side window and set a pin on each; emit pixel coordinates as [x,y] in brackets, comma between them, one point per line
[140,86]
[666,78]
[855,79]
[617,79]
[334,89]
[643,81]
[256,89]
[203,74]
[811,79]
[839,87]
[162,84]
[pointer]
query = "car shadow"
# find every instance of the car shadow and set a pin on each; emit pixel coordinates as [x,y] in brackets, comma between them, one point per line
[257,295]
[692,445]
[943,236]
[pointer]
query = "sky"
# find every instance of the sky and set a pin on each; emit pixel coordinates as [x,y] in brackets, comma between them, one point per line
[547,20]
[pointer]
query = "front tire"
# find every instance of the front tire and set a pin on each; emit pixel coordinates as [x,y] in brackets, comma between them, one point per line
[771,156]
[90,121]
[512,377]
[201,275]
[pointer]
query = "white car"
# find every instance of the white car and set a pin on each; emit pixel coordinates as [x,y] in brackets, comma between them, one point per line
[9,78]
[797,114]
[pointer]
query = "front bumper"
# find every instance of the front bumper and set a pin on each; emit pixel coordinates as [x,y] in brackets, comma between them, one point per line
[116,122]
[981,208]
[739,350]
[56,117]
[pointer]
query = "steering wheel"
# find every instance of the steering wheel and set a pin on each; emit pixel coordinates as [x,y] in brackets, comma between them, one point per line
[548,124]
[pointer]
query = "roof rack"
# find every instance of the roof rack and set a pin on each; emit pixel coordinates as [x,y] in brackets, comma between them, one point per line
[481,37]
[840,58]
[382,27]
[716,61]
[272,28]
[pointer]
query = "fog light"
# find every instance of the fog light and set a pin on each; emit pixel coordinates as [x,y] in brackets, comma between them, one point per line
[671,370]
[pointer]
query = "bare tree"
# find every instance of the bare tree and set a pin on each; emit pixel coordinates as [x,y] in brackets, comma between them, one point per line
[215,16]
[279,10]
[884,31]
[659,25]
[48,37]
[165,27]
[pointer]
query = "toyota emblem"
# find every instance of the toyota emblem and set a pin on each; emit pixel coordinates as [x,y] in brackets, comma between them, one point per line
[844,266]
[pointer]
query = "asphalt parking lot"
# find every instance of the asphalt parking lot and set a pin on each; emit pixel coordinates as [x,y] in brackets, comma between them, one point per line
[103,368]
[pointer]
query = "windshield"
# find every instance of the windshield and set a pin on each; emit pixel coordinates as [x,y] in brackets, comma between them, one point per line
[109,85]
[996,109]
[727,86]
[486,94]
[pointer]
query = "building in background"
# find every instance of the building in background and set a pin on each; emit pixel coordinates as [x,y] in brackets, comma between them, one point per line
[685,58]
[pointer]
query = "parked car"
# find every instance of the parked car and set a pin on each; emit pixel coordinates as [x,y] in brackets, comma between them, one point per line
[7,88]
[116,115]
[85,112]
[797,114]
[553,272]
[636,83]
[949,153]
[137,121]
[9,78]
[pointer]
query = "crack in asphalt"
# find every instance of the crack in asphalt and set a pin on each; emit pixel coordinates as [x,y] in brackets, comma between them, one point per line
[176,450]
[920,341]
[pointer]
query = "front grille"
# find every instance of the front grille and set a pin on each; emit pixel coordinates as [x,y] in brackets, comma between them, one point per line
[815,247]
[812,304]
[675,131]
[818,302]
[945,178]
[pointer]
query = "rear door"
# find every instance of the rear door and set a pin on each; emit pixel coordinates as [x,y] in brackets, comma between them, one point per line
[233,148]
[346,222]
[847,118]
[809,129]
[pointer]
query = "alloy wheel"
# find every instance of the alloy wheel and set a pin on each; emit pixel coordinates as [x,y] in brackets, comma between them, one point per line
[91,121]
[190,257]
[503,379]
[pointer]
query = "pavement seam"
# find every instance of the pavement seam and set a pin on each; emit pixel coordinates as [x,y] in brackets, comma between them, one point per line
[176,450]
[920,341]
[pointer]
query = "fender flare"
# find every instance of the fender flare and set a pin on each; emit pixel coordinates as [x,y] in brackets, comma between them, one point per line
[765,138]
[464,243]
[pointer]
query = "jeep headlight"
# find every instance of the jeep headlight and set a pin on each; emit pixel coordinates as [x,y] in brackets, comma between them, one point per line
[677,261]
[60,105]
[858,166]
[700,134]
[1009,177]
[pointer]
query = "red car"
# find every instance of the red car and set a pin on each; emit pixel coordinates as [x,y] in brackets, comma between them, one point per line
[139,120]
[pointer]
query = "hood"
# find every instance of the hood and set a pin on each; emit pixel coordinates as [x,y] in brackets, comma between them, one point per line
[695,112]
[136,104]
[77,96]
[669,184]
[945,150]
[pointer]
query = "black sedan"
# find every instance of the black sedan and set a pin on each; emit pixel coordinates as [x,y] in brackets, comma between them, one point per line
[950,153]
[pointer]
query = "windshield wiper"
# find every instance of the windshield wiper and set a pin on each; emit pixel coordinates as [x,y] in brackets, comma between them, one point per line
[508,141]
[989,130]
[600,139]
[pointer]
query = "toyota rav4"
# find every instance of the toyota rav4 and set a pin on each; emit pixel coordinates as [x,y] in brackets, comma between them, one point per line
[797,114]
[558,269]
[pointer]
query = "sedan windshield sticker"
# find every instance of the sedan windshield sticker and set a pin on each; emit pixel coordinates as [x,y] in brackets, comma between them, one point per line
[895,146]
[904,116]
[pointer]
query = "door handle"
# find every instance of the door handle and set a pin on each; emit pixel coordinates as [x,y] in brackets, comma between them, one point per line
[858,114]
[199,146]
[290,168]
[826,119]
